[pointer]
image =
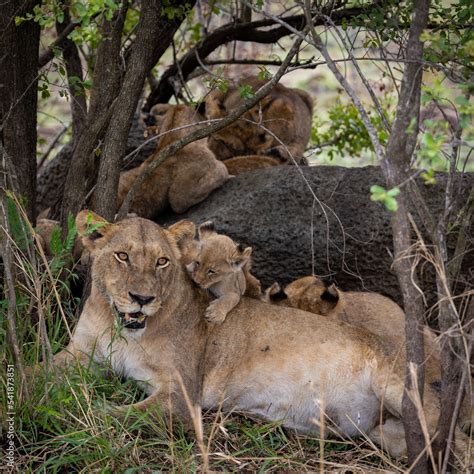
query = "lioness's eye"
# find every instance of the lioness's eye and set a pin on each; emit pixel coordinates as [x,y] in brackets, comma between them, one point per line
[211,272]
[121,256]
[162,262]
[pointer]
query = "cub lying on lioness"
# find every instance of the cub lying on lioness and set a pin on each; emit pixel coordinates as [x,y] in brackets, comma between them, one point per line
[217,264]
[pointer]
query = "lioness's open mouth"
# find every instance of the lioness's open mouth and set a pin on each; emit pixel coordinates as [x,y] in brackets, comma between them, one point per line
[132,320]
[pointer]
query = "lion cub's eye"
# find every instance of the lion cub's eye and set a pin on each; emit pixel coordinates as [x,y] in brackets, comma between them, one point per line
[162,262]
[211,272]
[121,256]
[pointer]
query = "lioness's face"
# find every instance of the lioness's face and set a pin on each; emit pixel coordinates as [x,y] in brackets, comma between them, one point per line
[135,262]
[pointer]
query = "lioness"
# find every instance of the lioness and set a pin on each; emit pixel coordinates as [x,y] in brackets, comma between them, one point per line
[146,318]
[286,113]
[185,178]
[220,266]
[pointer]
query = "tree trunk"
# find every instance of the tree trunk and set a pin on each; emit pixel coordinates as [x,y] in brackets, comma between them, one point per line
[396,168]
[106,85]
[155,32]
[19,47]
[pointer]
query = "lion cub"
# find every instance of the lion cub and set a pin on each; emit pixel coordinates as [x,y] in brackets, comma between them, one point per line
[222,267]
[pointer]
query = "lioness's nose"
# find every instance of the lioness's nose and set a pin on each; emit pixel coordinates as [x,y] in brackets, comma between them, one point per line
[140,299]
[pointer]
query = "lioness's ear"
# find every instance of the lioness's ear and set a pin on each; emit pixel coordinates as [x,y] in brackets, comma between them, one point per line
[206,229]
[94,230]
[183,230]
[241,257]
[215,107]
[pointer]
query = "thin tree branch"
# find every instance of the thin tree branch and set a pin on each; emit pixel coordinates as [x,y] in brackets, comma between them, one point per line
[47,55]
[250,32]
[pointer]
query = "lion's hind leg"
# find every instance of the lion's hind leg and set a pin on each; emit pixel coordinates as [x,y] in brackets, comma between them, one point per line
[389,388]
[390,436]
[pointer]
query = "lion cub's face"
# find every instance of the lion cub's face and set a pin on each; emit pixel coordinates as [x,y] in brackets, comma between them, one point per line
[215,257]
[311,294]
[134,264]
[153,121]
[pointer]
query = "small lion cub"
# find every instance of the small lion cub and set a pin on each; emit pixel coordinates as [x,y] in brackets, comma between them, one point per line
[222,267]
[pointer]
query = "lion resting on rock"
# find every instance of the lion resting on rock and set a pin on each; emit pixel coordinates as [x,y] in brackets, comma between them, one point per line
[285,113]
[145,318]
[182,180]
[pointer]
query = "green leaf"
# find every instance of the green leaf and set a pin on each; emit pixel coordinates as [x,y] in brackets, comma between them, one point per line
[393,192]
[391,204]
[71,234]
[56,243]
[91,227]
[376,189]
[264,73]
[245,91]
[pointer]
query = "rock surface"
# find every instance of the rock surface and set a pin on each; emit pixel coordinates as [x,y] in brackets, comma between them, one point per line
[274,211]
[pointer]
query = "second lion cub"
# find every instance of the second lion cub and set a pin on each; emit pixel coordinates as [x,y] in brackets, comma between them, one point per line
[222,267]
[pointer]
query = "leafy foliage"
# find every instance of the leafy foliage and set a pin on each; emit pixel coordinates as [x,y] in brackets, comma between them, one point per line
[379,193]
[344,133]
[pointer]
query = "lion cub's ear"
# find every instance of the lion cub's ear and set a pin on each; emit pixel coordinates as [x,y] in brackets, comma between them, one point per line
[331,294]
[94,230]
[241,257]
[215,107]
[206,229]
[284,108]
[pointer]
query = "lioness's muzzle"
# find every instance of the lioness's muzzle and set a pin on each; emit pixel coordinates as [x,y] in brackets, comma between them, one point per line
[132,320]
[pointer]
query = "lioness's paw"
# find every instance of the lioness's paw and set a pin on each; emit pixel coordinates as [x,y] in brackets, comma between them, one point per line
[214,314]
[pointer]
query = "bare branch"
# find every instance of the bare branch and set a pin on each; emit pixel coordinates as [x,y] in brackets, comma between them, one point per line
[250,32]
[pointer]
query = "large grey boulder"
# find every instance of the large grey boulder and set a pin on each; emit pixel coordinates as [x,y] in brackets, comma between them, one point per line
[274,211]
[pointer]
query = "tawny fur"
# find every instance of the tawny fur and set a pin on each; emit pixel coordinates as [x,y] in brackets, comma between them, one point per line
[242,164]
[215,250]
[182,180]
[218,266]
[285,112]
[373,312]
[45,229]
[278,363]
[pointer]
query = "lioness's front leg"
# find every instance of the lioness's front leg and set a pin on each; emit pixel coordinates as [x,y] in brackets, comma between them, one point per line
[72,354]
[170,406]
[218,309]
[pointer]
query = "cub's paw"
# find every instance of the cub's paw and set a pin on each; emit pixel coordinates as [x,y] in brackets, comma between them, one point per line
[279,152]
[215,314]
